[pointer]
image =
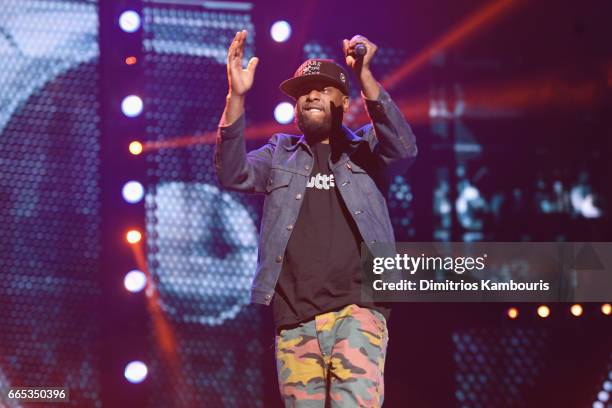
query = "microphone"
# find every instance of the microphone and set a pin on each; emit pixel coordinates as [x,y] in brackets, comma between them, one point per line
[360,50]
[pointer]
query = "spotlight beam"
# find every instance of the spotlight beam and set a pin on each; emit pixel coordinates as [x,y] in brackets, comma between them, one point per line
[164,333]
[481,101]
[469,26]
[461,31]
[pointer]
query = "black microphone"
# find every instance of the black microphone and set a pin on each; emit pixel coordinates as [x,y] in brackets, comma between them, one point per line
[360,50]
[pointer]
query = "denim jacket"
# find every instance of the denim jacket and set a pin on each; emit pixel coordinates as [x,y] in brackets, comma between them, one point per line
[280,169]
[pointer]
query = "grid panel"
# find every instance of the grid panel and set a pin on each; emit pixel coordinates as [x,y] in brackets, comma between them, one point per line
[49,197]
[202,241]
[497,368]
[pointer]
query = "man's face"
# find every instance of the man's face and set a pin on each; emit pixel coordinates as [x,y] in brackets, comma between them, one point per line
[319,108]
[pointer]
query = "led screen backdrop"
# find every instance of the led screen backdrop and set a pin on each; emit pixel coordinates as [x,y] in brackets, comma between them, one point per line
[202,241]
[49,197]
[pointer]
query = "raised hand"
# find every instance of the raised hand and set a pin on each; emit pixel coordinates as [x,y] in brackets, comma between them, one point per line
[240,80]
[361,66]
[358,64]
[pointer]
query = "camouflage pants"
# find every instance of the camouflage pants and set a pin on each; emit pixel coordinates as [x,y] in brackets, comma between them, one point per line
[335,360]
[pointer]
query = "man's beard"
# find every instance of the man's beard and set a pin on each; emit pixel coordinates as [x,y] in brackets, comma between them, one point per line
[322,129]
[314,128]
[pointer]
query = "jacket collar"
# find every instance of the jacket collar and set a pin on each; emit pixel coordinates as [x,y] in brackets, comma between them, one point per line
[351,138]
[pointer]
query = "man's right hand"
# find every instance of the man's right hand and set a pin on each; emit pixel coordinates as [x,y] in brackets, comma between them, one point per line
[240,80]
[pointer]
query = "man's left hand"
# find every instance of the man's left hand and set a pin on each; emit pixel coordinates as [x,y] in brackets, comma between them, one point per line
[361,65]
[358,64]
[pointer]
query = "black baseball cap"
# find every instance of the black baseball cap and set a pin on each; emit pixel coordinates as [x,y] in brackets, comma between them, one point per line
[316,69]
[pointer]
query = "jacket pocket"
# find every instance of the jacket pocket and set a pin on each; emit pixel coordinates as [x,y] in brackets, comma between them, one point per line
[362,180]
[278,178]
[277,190]
[373,200]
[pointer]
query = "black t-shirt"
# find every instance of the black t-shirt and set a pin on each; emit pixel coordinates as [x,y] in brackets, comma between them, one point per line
[321,270]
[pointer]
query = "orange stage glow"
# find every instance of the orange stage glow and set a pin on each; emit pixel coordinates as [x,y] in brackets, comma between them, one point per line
[133,236]
[576,310]
[513,313]
[543,311]
[135,148]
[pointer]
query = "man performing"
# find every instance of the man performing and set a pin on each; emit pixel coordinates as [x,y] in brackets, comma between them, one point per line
[324,195]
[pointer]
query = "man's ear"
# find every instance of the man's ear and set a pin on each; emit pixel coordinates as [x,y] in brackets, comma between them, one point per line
[345,103]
